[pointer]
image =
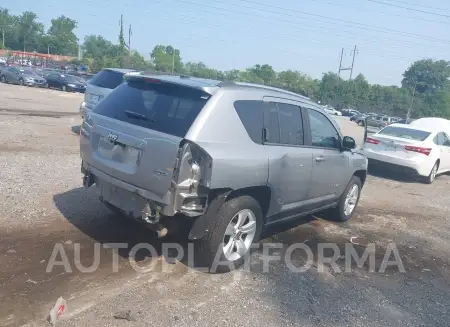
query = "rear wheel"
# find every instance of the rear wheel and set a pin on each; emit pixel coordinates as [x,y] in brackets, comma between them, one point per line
[3,79]
[347,202]
[432,176]
[227,243]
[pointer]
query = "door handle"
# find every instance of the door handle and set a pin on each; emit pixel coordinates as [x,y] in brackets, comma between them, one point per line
[320,159]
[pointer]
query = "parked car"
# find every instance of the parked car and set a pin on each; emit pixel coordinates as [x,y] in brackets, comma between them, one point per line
[420,151]
[379,121]
[361,119]
[405,121]
[15,75]
[332,111]
[100,85]
[65,83]
[160,146]
[349,112]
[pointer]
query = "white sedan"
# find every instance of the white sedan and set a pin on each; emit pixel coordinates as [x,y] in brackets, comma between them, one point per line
[418,150]
[332,111]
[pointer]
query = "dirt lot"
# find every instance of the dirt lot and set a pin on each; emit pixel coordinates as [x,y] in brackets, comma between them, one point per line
[43,203]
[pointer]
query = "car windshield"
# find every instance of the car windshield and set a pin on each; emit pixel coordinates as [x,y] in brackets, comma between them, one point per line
[405,133]
[27,72]
[70,78]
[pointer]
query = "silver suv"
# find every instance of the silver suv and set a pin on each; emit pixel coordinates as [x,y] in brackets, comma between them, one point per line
[231,157]
[100,85]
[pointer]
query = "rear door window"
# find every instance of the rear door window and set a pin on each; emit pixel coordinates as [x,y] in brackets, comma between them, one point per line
[107,79]
[166,108]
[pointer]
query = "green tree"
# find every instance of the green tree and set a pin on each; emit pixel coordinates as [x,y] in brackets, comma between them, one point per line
[427,75]
[28,32]
[166,58]
[61,38]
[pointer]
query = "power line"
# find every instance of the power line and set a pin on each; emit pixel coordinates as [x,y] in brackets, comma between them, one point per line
[411,9]
[287,36]
[340,20]
[380,12]
[417,5]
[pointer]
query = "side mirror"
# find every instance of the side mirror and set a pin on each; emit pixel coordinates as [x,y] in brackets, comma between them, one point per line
[348,143]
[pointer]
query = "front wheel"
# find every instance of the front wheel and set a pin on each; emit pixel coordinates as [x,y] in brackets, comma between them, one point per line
[360,123]
[228,242]
[21,82]
[348,201]
[64,88]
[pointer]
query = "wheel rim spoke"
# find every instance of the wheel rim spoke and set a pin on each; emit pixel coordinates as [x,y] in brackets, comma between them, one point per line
[228,248]
[241,248]
[248,228]
[230,230]
[239,235]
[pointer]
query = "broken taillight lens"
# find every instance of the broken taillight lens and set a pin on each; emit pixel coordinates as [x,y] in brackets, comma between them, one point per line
[418,149]
[372,140]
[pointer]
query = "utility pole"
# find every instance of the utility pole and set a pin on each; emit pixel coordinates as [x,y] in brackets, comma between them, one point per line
[129,42]
[354,51]
[408,114]
[353,61]
[340,63]
[173,60]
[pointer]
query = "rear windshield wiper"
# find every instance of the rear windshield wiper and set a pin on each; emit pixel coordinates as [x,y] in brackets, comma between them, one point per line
[137,115]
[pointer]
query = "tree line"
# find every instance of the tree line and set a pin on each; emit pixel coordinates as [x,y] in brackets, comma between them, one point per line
[424,90]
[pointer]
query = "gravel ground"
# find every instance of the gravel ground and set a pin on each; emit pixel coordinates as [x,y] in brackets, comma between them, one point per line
[43,204]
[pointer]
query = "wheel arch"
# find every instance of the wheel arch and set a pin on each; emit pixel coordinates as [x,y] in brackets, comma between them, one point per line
[217,197]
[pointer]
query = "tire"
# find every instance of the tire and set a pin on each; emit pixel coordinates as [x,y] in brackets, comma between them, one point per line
[432,176]
[3,78]
[360,123]
[21,82]
[215,241]
[63,88]
[339,213]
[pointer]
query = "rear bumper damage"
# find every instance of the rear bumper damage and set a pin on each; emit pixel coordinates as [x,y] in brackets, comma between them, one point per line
[143,204]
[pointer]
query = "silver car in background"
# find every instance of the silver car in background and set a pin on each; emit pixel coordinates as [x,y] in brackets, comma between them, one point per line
[100,86]
[20,76]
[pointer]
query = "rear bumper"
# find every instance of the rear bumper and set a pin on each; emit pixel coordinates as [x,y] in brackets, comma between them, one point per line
[408,166]
[132,199]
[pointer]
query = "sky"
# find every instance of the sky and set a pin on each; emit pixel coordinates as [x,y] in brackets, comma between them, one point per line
[303,35]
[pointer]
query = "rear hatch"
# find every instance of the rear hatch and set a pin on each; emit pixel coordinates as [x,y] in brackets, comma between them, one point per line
[134,134]
[398,142]
[99,86]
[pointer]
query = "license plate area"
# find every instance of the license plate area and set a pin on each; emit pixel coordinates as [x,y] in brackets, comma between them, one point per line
[127,201]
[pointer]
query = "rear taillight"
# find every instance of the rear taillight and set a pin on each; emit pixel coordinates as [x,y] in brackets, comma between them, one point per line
[418,149]
[372,141]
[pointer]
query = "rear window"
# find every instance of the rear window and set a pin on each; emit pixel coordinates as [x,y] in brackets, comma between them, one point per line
[405,133]
[166,108]
[107,79]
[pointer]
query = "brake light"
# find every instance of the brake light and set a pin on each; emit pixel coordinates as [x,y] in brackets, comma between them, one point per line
[152,80]
[418,149]
[372,141]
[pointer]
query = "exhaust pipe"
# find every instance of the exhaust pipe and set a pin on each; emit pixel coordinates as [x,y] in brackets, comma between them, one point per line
[151,220]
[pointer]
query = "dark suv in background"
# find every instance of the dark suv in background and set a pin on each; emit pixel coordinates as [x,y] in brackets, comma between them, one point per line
[100,86]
